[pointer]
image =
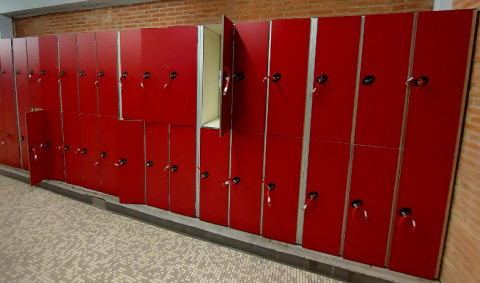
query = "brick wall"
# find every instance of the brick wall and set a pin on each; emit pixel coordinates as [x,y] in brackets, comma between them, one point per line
[176,12]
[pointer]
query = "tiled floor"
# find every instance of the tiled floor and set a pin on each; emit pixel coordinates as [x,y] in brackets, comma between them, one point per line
[45,237]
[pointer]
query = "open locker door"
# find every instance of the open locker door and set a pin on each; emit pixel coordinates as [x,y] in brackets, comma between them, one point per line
[36,158]
[226,75]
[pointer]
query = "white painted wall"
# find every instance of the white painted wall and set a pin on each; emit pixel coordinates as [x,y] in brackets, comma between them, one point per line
[439,5]
[6,27]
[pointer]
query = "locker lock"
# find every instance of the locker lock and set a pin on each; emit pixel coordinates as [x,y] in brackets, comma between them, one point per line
[22,138]
[173,75]
[311,196]
[124,74]
[146,75]
[271,187]
[3,71]
[276,77]
[30,72]
[84,151]
[174,168]
[321,79]
[100,74]
[422,80]
[405,211]
[82,73]
[150,163]
[121,162]
[103,155]
[43,72]
[356,203]
[236,180]
[47,144]
[17,72]
[239,76]
[67,147]
[204,175]
[62,73]
[368,80]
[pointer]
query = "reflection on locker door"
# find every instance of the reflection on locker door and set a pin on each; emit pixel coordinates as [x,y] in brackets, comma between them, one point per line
[251,62]
[182,169]
[290,41]
[157,172]
[335,78]
[107,63]
[90,151]
[423,195]
[370,204]
[54,151]
[226,75]
[73,157]
[282,178]
[384,70]
[246,196]
[67,72]
[214,181]
[130,163]
[3,148]
[325,198]
[435,106]
[36,140]
[109,153]
[132,73]
[89,76]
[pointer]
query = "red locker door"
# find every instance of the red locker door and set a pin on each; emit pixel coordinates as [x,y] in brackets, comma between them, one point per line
[90,151]
[33,75]
[282,171]
[67,51]
[326,187]
[182,90]
[23,136]
[131,164]
[37,157]
[370,204]
[21,71]
[251,62]
[107,63]
[423,196]
[132,73]
[385,57]
[3,147]
[47,73]
[54,151]
[214,158]
[434,108]
[246,196]
[157,173]
[335,78]
[88,74]
[288,74]
[73,156]
[227,75]
[109,152]
[182,169]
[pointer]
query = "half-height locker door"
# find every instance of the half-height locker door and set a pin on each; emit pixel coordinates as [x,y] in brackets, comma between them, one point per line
[67,72]
[423,194]
[182,169]
[325,198]
[214,181]
[384,70]
[107,64]
[90,151]
[109,155]
[282,183]
[34,76]
[132,72]
[246,196]
[370,204]
[251,63]
[288,75]
[436,103]
[54,149]
[335,78]
[157,172]
[36,140]
[88,75]
[73,156]
[226,75]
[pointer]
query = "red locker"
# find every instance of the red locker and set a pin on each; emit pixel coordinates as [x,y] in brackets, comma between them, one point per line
[335,78]
[23,136]
[109,152]
[88,75]
[288,74]
[90,151]
[246,196]
[423,195]
[214,159]
[434,108]
[182,169]
[52,127]
[372,186]
[282,173]
[73,156]
[227,75]
[107,63]
[326,187]
[385,59]
[3,147]
[36,140]
[157,173]
[132,73]
[67,72]
[251,62]
[131,162]
[33,60]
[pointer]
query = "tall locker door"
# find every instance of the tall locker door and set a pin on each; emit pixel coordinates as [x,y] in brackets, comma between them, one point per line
[90,151]
[435,107]
[67,53]
[182,169]
[3,147]
[47,73]
[89,77]
[282,173]
[179,76]
[246,196]
[157,173]
[214,159]
[53,135]
[325,198]
[226,75]
[251,63]
[370,204]
[73,156]
[34,77]
[109,152]
[335,78]
[290,41]
[384,70]
[130,163]
[423,195]
[107,64]
[37,158]
[132,73]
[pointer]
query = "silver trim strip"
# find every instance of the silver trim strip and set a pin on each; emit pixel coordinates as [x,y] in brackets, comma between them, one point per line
[119,74]
[16,105]
[199,115]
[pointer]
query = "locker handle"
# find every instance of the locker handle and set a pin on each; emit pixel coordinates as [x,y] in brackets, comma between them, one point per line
[61,148]
[171,77]
[146,76]
[269,187]
[204,174]
[233,181]
[5,136]
[239,76]
[319,80]
[405,213]
[17,72]
[150,163]
[103,155]
[356,204]
[418,82]
[123,76]
[30,73]
[32,148]
[98,75]
[166,168]
[22,138]
[82,73]
[120,162]
[226,78]
[60,73]
[311,196]
[368,80]
[275,78]
[174,168]
[47,144]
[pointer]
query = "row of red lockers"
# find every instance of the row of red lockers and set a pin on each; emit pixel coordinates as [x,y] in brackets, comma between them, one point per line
[434,110]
